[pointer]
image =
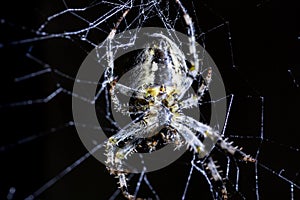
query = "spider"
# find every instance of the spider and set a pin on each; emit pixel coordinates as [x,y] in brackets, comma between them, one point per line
[156,106]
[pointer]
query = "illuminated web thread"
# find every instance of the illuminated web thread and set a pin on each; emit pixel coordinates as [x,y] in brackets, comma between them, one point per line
[293,78]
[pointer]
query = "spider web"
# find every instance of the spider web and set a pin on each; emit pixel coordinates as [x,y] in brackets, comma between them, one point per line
[42,47]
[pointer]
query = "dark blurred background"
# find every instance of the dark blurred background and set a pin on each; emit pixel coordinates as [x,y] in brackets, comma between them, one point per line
[265,48]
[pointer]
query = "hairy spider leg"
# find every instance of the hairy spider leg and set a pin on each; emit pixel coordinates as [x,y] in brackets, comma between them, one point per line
[124,108]
[207,131]
[216,177]
[194,69]
[193,100]
[199,148]
[130,137]
[109,72]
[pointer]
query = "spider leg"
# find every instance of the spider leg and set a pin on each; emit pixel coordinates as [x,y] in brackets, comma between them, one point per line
[123,186]
[120,155]
[115,157]
[109,52]
[109,72]
[205,83]
[184,125]
[212,168]
[198,147]
[193,100]
[190,138]
[128,137]
[116,87]
[207,131]
[194,69]
[127,133]
[234,151]
[171,136]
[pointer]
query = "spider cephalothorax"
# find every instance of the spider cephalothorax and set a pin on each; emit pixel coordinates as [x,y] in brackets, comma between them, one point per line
[157,100]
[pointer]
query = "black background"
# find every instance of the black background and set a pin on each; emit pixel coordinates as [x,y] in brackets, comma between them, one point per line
[265,46]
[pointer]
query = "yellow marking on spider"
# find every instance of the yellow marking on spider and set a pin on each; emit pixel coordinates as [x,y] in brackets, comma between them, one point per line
[112,140]
[176,114]
[152,91]
[206,133]
[192,68]
[174,108]
[120,155]
[151,52]
[198,149]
